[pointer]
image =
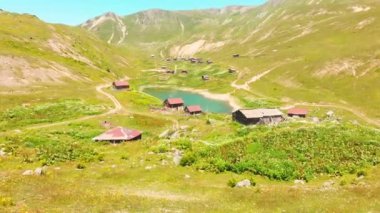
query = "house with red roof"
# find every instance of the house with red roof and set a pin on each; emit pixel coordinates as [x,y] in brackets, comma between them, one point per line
[120,85]
[174,103]
[193,110]
[119,135]
[298,112]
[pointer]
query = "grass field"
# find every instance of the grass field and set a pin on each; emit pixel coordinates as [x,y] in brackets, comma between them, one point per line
[302,165]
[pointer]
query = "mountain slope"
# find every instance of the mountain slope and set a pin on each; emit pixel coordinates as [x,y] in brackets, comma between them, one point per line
[34,53]
[296,51]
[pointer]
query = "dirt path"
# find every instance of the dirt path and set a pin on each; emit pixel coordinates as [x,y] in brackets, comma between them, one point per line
[257,77]
[346,108]
[99,89]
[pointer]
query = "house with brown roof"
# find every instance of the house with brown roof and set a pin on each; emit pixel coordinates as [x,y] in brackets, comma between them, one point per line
[258,116]
[193,110]
[120,85]
[174,103]
[297,112]
[119,135]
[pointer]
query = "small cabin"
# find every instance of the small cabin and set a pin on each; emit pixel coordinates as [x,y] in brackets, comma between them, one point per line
[236,55]
[205,77]
[119,135]
[258,116]
[174,103]
[297,112]
[120,85]
[184,71]
[193,110]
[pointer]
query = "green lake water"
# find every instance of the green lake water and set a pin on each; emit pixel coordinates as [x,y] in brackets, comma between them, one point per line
[190,98]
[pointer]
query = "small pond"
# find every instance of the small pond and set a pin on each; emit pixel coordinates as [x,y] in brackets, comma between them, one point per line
[191,98]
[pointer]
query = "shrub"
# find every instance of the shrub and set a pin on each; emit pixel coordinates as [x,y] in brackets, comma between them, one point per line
[232,182]
[284,153]
[361,173]
[125,157]
[183,144]
[162,148]
[188,159]
[81,166]
[6,201]
[62,152]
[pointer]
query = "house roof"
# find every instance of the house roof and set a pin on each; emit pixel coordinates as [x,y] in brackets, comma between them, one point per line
[175,100]
[120,83]
[297,111]
[260,113]
[195,108]
[118,134]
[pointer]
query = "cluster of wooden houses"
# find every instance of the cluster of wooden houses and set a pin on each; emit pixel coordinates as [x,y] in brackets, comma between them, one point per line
[178,103]
[243,116]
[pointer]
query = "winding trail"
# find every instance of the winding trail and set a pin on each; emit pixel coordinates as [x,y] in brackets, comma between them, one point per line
[346,108]
[257,77]
[118,108]
[99,89]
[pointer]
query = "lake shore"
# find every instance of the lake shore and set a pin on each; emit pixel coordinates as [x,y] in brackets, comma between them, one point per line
[205,93]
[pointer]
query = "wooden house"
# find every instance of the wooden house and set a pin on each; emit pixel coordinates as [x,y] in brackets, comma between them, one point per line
[297,112]
[193,110]
[174,103]
[258,116]
[120,85]
[236,55]
[119,135]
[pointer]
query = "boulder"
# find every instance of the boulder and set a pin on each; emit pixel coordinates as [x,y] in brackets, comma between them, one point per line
[299,182]
[164,134]
[164,162]
[175,135]
[40,171]
[177,157]
[28,173]
[2,153]
[330,113]
[243,183]
[315,120]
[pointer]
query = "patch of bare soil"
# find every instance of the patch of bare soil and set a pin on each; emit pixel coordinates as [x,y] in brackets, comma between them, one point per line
[64,48]
[17,71]
[354,67]
[195,47]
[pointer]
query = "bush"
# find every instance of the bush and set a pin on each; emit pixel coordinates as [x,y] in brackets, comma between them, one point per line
[6,201]
[125,157]
[188,159]
[162,148]
[284,153]
[81,166]
[361,173]
[62,152]
[232,182]
[183,144]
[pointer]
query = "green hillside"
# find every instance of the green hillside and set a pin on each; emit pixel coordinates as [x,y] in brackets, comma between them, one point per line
[56,97]
[314,51]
